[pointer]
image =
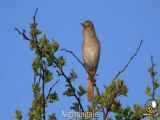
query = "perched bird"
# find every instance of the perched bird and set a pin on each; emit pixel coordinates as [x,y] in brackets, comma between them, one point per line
[91,54]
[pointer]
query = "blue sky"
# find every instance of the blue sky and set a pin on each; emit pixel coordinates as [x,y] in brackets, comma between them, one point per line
[120,25]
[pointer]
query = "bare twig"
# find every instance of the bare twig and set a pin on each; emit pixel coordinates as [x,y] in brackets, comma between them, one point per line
[23,34]
[129,61]
[74,55]
[51,88]
[35,14]
[118,74]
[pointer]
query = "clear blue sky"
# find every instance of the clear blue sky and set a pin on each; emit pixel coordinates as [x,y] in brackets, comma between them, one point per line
[120,25]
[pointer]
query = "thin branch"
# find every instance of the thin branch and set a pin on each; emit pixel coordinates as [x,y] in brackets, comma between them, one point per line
[70,84]
[74,55]
[43,90]
[78,59]
[23,34]
[118,74]
[98,93]
[81,63]
[51,88]
[129,61]
[73,89]
[35,14]
[153,77]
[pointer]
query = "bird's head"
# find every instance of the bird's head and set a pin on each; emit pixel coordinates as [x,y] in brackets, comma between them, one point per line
[88,25]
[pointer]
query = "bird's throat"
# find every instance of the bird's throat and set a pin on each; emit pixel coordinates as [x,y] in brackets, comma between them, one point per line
[89,35]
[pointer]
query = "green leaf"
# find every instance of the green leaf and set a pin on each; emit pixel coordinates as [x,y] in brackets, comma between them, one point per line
[38,52]
[53,97]
[148,91]
[152,72]
[37,108]
[49,50]
[122,87]
[69,92]
[33,44]
[156,84]
[116,85]
[139,111]
[43,41]
[55,46]
[36,65]
[34,31]
[73,75]
[50,60]
[109,89]
[75,107]
[61,61]
[116,106]
[36,89]
[81,91]
[48,76]
[52,117]
[18,115]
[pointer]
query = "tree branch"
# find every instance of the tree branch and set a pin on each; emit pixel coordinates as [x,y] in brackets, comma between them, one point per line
[43,69]
[23,34]
[98,93]
[34,17]
[70,84]
[73,89]
[129,61]
[74,55]
[153,77]
[43,90]
[115,94]
[118,74]
[51,88]
[82,64]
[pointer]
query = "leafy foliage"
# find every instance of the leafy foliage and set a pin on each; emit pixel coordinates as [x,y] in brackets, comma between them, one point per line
[18,115]
[81,91]
[53,97]
[148,91]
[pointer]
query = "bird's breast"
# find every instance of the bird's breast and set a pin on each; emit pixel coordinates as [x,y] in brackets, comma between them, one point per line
[91,52]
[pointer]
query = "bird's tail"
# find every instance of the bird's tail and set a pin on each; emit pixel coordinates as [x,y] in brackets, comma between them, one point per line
[90,94]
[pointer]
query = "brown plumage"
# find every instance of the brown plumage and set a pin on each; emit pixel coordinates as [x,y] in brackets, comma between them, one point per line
[91,53]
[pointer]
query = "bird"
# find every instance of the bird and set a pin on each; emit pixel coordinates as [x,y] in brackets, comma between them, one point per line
[91,55]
